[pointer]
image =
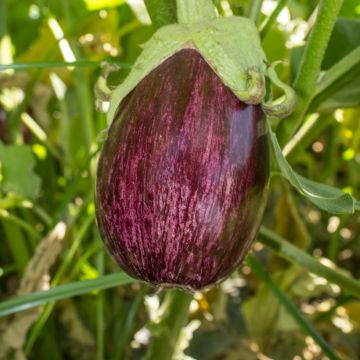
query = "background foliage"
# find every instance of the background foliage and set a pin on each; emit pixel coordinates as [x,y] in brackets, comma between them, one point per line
[294,298]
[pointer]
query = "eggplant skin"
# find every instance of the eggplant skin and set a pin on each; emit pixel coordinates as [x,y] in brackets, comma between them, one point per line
[182,178]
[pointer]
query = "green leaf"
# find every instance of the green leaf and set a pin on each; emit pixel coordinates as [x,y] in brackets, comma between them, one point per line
[66,291]
[17,163]
[325,197]
[344,38]
[344,93]
[340,58]
[339,86]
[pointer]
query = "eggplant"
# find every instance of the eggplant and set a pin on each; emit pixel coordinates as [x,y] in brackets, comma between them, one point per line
[183,175]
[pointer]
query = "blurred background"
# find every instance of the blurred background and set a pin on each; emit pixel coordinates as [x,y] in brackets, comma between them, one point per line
[51,119]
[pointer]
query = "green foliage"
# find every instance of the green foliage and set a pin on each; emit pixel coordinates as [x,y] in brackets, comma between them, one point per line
[162,12]
[297,295]
[17,171]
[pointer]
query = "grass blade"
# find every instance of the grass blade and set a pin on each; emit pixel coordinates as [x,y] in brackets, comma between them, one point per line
[298,316]
[58,64]
[296,256]
[66,291]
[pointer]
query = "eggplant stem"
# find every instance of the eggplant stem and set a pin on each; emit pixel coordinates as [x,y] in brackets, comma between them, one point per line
[190,11]
[174,312]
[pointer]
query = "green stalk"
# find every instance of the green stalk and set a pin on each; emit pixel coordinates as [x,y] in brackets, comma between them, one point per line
[189,11]
[292,309]
[308,73]
[2,19]
[162,12]
[268,23]
[17,244]
[254,10]
[20,223]
[42,214]
[82,86]
[35,332]
[165,332]
[128,328]
[40,135]
[100,326]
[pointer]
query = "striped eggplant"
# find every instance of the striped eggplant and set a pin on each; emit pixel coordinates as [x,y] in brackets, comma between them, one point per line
[182,177]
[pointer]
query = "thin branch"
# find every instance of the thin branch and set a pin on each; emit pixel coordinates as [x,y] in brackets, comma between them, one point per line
[268,23]
[254,10]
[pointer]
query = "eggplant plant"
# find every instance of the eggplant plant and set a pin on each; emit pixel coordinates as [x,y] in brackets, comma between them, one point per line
[218,115]
[183,176]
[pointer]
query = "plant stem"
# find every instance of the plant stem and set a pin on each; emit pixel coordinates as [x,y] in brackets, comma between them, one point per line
[82,85]
[268,23]
[292,309]
[4,214]
[100,326]
[174,314]
[38,326]
[254,10]
[16,242]
[307,76]
[162,12]
[2,18]
[130,323]
[189,11]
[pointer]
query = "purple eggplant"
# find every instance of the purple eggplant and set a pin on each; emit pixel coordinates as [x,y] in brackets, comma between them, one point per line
[183,175]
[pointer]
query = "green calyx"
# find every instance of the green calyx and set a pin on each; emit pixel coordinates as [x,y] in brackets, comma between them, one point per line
[230,45]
